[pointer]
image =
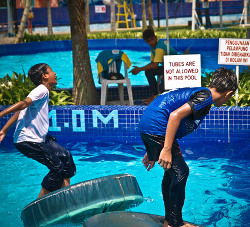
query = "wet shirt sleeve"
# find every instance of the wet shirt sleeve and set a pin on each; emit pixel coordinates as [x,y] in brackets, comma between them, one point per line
[38,94]
[200,103]
[159,53]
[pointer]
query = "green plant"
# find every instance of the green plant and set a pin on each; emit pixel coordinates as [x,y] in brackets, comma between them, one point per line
[177,33]
[243,87]
[60,98]
[205,80]
[16,88]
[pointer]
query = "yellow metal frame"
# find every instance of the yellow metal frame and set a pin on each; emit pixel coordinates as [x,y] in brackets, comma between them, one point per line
[127,16]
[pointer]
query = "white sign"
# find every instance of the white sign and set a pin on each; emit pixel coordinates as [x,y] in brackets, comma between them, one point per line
[100,9]
[182,71]
[234,51]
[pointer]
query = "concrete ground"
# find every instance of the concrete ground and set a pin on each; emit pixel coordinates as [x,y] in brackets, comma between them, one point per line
[7,40]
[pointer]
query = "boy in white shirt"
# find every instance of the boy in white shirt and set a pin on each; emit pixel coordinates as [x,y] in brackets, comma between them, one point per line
[31,138]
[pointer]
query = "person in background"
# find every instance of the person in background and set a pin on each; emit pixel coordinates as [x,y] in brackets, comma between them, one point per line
[171,116]
[158,49]
[31,135]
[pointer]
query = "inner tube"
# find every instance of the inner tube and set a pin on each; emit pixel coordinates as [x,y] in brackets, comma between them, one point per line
[125,219]
[77,202]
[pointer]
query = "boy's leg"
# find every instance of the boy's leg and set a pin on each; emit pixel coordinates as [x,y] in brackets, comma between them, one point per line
[69,168]
[66,182]
[166,182]
[150,74]
[174,180]
[178,172]
[43,192]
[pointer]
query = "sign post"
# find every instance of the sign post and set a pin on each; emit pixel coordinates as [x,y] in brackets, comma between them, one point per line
[234,52]
[182,71]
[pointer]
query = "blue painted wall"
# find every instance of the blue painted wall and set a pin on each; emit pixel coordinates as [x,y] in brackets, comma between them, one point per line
[60,15]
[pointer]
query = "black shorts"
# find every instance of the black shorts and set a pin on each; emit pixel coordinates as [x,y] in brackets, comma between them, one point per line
[154,145]
[58,160]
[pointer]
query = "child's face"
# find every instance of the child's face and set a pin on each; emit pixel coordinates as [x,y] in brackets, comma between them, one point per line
[224,98]
[152,41]
[52,79]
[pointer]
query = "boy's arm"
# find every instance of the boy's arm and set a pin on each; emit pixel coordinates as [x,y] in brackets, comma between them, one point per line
[151,65]
[175,118]
[9,123]
[17,107]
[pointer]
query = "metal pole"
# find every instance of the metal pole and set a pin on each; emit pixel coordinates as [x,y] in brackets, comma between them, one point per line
[158,13]
[166,7]
[193,14]
[221,14]
[237,92]
[112,15]
[245,10]
[10,17]
[248,33]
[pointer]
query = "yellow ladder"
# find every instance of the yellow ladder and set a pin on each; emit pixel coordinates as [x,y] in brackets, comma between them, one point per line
[125,13]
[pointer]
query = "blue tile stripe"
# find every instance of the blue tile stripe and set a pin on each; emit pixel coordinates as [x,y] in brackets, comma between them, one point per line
[120,124]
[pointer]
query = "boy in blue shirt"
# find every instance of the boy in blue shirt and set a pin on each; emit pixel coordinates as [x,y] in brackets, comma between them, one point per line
[171,116]
[31,138]
[157,49]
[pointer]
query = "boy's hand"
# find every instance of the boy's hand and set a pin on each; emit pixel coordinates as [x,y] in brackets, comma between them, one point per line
[2,135]
[165,158]
[148,164]
[135,70]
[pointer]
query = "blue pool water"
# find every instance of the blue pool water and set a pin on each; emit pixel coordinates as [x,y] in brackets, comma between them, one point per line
[62,64]
[217,192]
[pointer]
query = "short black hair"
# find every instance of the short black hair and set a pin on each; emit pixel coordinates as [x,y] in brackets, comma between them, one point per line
[148,33]
[224,80]
[36,71]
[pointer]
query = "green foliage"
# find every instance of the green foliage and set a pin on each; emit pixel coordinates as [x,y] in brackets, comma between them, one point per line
[16,88]
[38,38]
[60,98]
[207,34]
[205,80]
[243,87]
[137,34]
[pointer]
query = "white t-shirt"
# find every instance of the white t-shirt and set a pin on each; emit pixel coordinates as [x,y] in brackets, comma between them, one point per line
[33,121]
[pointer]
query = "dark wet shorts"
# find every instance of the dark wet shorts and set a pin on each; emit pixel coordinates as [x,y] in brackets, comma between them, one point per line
[154,145]
[58,159]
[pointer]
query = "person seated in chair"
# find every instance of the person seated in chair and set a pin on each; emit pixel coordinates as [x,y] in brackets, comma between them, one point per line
[158,49]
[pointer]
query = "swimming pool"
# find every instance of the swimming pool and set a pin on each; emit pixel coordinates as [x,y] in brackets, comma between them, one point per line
[216,193]
[62,63]
[217,153]
[104,140]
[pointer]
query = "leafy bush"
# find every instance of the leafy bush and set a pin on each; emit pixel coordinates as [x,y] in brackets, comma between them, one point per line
[243,88]
[184,34]
[16,88]
[206,34]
